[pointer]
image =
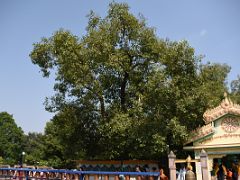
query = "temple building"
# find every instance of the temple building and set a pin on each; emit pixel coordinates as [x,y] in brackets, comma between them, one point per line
[219,137]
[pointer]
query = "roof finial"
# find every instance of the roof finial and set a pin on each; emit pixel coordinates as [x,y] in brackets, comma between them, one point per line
[226,107]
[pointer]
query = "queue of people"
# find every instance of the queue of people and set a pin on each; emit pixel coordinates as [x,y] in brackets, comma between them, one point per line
[162,175]
[20,173]
[36,174]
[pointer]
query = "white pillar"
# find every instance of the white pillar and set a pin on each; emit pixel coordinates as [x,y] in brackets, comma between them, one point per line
[198,167]
[172,165]
[204,165]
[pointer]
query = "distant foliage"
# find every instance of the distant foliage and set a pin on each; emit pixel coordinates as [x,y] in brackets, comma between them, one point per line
[235,88]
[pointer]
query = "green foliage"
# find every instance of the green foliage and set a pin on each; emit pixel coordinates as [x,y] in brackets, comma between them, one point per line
[11,139]
[235,85]
[235,89]
[121,92]
[33,147]
[52,148]
[1,160]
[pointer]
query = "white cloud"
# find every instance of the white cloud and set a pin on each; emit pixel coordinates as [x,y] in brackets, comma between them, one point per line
[203,32]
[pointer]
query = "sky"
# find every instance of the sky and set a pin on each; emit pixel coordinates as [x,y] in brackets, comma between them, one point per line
[212,28]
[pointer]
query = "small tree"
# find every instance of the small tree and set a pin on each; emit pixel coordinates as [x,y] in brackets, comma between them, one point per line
[11,139]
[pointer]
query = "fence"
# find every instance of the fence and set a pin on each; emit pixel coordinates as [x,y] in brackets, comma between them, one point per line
[54,174]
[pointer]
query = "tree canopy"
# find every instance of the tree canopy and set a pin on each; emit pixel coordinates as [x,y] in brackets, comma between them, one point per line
[121,91]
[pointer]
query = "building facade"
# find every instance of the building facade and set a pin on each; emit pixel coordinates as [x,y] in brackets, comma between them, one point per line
[219,137]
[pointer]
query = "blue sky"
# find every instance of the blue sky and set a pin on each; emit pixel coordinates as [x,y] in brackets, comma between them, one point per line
[212,27]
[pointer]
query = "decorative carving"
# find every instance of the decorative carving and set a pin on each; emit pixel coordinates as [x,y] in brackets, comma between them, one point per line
[230,125]
[224,136]
[226,106]
[200,133]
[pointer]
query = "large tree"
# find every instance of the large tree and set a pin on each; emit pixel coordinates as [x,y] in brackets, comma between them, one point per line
[121,92]
[11,139]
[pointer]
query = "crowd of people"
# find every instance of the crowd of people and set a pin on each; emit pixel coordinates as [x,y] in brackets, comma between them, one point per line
[222,172]
[21,173]
[162,175]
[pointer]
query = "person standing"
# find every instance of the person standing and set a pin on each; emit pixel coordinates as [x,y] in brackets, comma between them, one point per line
[238,170]
[222,172]
[162,175]
[215,170]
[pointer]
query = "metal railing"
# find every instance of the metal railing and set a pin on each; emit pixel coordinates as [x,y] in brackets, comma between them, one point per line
[62,174]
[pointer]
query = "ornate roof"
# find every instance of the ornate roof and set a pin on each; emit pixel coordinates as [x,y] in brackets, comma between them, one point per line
[225,107]
[200,132]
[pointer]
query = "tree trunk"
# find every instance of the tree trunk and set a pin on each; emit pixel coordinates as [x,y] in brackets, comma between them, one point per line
[102,106]
[123,91]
